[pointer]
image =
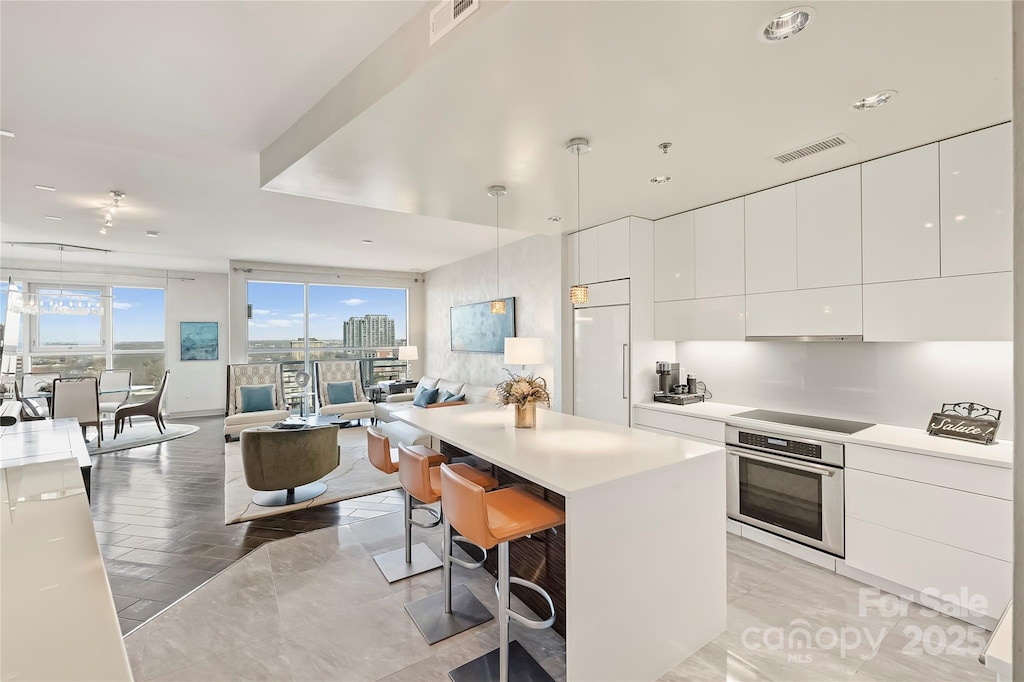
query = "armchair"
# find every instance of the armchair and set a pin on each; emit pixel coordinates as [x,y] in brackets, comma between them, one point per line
[341,371]
[256,374]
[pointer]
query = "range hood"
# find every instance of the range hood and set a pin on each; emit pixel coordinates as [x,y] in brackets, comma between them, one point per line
[824,338]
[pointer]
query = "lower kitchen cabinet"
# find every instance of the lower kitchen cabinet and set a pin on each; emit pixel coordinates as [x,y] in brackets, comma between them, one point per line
[701,319]
[831,311]
[968,308]
[933,535]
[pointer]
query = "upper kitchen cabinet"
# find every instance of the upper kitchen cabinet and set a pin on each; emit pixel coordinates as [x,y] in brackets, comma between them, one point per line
[771,240]
[828,229]
[976,190]
[673,258]
[604,252]
[718,249]
[900,211]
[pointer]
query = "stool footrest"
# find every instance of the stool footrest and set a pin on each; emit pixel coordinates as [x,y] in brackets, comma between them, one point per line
[463,562]
[526,620]
[435,514]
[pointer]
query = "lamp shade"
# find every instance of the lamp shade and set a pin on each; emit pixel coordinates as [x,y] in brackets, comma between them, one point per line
[408,353]
[524,351]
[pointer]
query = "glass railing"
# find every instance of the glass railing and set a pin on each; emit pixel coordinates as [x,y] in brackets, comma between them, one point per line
[373,370]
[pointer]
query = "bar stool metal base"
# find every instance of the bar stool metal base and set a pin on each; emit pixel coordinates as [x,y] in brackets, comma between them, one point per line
[280,498]
[436,625]
[522,667]
[394,566]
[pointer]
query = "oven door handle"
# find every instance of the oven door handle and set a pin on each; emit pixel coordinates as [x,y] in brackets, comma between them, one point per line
[789,464]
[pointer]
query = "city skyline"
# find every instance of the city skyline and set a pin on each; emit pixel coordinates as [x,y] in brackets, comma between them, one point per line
[277,309]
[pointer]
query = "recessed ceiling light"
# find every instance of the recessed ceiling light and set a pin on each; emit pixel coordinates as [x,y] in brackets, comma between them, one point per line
[367,241]
[555,218]
[48,189]
[54,217]
[787,24]
[6,133]
[960,218]
[873,101]
[660,179]
[152,233]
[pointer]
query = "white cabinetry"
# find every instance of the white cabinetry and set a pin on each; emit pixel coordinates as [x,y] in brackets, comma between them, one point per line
[603,252]
[718,242]
[976,184]
[909,524]
[701,319]
[828,232]
[969,308]
[770,240]
[673,258]
[901,215]
[832,311]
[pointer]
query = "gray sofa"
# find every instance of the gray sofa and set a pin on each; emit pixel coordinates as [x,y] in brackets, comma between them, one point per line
[400,432]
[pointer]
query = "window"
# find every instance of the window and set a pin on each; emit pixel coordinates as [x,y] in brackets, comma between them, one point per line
[69,332]
[129,335]
[297,324]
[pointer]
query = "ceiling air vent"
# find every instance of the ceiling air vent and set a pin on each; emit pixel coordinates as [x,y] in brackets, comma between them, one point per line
[447,15]
[813,148]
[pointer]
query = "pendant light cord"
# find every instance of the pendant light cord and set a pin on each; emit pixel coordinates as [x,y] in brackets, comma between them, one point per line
[497,247]
[579,222]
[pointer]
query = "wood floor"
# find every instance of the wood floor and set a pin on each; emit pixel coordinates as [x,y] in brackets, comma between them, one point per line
[159,516]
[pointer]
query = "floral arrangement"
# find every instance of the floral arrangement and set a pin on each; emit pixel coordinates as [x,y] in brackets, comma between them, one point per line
[523,390]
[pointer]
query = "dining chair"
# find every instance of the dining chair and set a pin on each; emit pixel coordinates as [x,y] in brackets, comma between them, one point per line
[35,382]
[28,408]
[78,398]
[113,380]
[151,408]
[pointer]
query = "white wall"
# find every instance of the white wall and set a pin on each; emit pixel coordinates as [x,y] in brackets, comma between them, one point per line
[196,386]
[889,383]
[531,271]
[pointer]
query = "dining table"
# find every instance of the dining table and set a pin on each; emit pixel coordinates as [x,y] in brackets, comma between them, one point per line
[48,396]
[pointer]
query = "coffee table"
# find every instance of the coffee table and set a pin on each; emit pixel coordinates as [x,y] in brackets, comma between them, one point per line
[317,420]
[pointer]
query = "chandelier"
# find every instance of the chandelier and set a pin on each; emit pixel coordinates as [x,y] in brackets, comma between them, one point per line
[60,302]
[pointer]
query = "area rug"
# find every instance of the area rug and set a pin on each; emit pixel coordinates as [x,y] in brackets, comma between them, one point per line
[143,433]
[354,477]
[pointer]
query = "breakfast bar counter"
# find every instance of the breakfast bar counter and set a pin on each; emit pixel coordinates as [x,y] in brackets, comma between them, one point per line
[644,535]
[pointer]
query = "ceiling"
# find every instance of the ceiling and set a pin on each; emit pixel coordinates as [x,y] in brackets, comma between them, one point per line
[173,104]
[506,96]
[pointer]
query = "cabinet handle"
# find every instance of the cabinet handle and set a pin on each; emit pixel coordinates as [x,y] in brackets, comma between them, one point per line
[625,371]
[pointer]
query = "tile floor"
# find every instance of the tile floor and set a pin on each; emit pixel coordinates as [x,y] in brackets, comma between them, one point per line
[315,607]
[159,515]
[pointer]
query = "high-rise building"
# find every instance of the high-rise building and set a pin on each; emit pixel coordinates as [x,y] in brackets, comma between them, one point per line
[369,331]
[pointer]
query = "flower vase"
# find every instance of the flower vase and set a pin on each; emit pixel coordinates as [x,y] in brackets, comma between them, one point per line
[526,416]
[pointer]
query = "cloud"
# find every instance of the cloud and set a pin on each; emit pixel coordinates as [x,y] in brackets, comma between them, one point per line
[354,301]
[260,311]
[296,315]
[121,305]
[281,323]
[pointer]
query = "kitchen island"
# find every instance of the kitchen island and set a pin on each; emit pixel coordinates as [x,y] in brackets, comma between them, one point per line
[645,574]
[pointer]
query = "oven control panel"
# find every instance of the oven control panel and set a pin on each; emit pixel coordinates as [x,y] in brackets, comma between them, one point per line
[779,444]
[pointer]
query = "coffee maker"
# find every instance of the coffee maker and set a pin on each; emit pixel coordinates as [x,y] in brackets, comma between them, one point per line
[668,376]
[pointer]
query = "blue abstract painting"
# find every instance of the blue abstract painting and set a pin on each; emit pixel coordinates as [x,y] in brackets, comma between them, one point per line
[476,330]
[200,341]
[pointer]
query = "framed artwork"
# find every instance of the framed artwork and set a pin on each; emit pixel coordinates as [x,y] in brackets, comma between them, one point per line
[200,341]
[476,330]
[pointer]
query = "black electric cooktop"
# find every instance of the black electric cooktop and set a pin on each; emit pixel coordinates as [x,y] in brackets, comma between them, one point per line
[806,421]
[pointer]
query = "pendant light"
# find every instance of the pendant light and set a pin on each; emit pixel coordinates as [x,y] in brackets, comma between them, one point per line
[578,146]
[498,304]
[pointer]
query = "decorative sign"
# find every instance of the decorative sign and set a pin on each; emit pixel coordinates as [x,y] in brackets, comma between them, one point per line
[966,421]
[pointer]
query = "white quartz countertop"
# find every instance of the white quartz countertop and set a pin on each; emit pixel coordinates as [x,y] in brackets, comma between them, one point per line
[42,441]
[903,438]
[57,617]
[564,453]
[998,655]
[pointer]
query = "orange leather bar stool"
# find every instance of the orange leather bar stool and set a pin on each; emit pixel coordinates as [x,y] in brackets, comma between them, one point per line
[413,559]
[497,518]
[447,613]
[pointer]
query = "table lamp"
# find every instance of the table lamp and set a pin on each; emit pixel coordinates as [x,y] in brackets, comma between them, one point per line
[524,350]
[408,353]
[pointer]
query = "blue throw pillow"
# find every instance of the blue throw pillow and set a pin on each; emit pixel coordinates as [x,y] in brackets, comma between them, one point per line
[257,398]
[450,397]
[425,396]
[341,392]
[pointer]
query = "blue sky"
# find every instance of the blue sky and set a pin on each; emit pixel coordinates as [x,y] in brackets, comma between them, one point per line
[277,309]
[138,315]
